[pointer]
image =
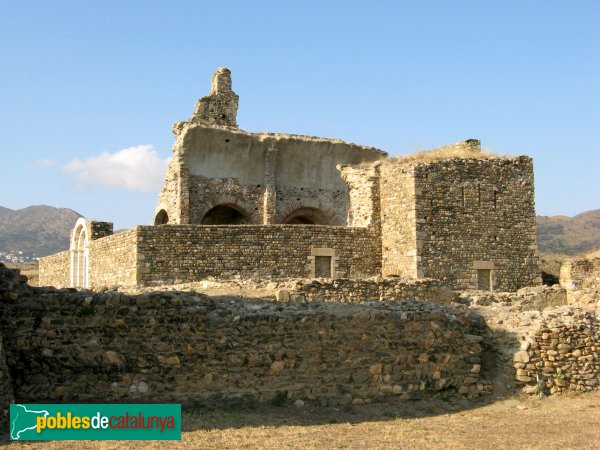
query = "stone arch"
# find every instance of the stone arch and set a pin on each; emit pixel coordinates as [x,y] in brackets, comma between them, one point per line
[80,254]
[225,214]
[227,204]
[161,218]
[306,215]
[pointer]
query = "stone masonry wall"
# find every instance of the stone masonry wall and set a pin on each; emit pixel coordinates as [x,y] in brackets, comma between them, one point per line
[181,253]
[6,392]
[361,290]
[581,278]
[477,213]
[67,346]
[55,270]
[563,353]
[398,232]
[113,260]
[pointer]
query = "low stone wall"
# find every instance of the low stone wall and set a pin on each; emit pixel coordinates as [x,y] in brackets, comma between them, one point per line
[563,353]
[55,270]
[172,254]
[63,345]
[361,290]
[528,298]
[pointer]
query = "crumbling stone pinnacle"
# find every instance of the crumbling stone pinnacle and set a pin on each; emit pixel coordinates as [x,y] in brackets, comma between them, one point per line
[220,106]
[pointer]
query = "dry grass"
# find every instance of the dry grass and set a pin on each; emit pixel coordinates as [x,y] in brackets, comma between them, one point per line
[567,421]
[445,153]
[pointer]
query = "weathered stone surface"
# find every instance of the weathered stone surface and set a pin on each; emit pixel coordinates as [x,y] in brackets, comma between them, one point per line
[245,204]
[581,278]
[365,290]
[201,349]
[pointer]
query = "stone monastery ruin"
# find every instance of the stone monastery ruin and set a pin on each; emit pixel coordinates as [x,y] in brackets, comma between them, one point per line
[366,253]
[243,204]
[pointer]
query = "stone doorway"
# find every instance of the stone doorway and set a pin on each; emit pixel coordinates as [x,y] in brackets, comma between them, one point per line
[484,279]
[323,267]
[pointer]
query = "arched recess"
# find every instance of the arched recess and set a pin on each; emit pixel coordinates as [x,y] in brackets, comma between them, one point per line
[306,216]
[80,255]
[161,218]
[225,214]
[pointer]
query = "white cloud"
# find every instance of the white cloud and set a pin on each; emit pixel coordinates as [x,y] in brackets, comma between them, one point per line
[137,168]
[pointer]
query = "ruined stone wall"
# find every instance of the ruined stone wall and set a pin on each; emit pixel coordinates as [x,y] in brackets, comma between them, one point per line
[65,346]
[398,230]
[266,177]
[364,194]
[361,290]
[6,392]
[113,260]
[476,214]
[55,270]
[581,278]
[169,199]
[563,353]
[180,253]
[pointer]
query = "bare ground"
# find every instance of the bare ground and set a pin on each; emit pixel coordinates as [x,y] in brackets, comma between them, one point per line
[560,422]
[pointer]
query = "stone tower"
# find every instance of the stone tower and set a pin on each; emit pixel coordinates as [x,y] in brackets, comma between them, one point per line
[220,106]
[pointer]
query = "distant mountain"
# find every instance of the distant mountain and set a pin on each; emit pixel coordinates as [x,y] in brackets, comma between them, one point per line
[569,235]
[4,211]
[36,230]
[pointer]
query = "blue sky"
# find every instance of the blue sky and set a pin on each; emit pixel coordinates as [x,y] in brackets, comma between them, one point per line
[89,87]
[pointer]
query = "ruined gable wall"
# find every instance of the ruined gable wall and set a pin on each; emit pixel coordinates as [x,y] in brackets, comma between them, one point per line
[398,233]
[55,270]
[265,176]
[472,210]
[113,260]
[182,253]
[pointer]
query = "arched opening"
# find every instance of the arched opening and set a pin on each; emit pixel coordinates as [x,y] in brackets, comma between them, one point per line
[224,215]
[161,218]
[300,220]
[80,256]
[305,216]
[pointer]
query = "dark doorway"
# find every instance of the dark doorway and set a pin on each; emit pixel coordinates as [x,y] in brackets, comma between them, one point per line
[484,279]
[306,216]
[223,215]
[300,220]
